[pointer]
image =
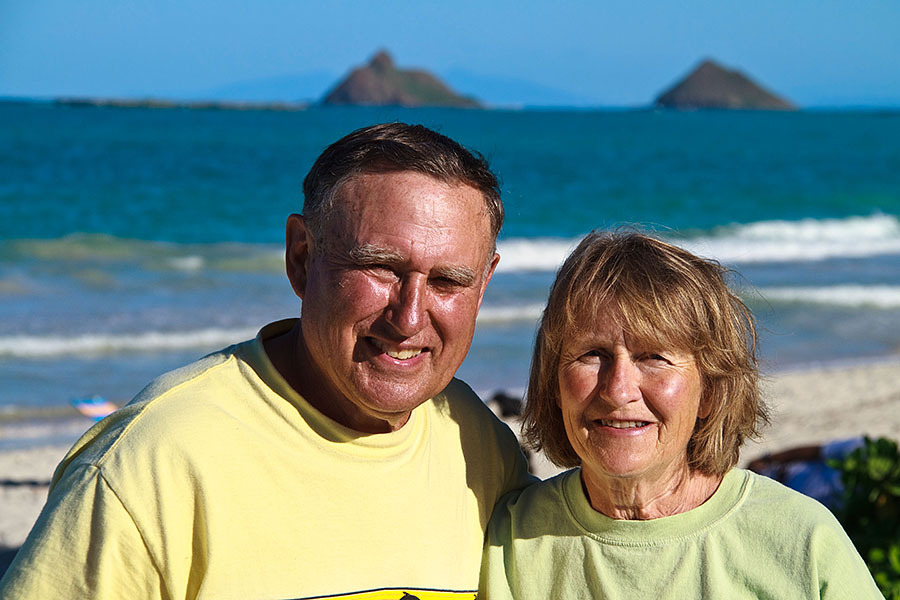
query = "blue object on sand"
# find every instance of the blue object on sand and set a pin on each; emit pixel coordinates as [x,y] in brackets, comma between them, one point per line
[94,407]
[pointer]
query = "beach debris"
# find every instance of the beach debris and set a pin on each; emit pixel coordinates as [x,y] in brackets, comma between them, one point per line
[93,407]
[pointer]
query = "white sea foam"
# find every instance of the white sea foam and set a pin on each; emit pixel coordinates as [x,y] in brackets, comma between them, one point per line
[510,314]
[804,240]
[764,241]
[188,263]
[533,254]
[877,296]
[32,346]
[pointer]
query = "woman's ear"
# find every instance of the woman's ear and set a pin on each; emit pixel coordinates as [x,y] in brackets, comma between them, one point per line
[298,249]
[705,408]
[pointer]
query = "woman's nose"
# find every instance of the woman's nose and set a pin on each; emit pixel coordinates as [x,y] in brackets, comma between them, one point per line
[621,382]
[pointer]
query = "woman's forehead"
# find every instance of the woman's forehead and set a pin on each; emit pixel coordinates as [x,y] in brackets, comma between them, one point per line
[609,320]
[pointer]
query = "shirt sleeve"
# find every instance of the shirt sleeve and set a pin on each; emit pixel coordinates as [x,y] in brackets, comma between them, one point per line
[840,570]
[85,544]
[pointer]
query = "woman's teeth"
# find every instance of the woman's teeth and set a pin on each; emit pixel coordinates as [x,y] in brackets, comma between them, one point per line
[622,424]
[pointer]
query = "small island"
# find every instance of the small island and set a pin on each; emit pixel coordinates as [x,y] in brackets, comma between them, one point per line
[381,83]
[712,86]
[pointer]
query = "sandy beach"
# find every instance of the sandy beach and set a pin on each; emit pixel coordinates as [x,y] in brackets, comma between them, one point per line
[808,407]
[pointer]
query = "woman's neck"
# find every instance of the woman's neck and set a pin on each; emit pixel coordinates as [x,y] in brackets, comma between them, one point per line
[642,498]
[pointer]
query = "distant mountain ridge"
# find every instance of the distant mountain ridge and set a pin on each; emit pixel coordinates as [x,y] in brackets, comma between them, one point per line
[381,83]
[710,85]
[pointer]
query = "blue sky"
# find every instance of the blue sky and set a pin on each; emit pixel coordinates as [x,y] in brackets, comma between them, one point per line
[609,53]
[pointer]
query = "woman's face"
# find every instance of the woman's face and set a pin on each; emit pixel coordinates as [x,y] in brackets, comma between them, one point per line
[629,408]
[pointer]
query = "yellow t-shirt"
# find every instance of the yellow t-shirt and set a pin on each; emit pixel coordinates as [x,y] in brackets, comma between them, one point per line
[219,481]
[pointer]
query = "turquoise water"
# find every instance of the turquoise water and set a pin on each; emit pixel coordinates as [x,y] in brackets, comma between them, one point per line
[134,240]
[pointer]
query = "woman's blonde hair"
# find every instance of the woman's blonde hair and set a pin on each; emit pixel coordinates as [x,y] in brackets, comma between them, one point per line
[666,296]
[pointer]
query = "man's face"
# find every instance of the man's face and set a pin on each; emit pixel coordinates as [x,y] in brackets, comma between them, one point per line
[391,295]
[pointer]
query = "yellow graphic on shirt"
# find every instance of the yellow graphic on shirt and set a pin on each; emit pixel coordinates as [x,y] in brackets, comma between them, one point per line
[400,594]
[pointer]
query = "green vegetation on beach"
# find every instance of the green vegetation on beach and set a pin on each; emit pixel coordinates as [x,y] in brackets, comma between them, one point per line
[870,511]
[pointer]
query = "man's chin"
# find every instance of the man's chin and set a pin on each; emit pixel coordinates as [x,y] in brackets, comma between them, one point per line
[397,399]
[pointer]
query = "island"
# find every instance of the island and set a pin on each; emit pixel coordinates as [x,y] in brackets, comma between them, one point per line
[712,86]
[381,83]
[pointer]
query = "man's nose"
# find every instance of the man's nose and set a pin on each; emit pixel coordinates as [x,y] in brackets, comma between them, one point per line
[407,311]
[620,382]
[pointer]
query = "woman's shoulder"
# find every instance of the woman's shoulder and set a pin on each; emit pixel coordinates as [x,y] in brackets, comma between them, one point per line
[778,511]
[763,493]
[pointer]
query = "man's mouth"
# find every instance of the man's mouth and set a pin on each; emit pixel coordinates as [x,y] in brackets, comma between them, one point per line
[396,353]
[623,424]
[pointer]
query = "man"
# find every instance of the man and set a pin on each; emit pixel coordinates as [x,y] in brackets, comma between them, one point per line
[332,456]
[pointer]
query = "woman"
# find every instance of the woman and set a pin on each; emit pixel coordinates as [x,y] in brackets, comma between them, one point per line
[644,379]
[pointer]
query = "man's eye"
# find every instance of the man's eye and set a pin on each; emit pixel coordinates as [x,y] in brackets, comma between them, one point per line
[380,270]
[445,283]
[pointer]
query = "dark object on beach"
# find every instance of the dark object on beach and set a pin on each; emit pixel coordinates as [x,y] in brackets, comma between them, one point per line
[24,482]
[807,469]
[381,83]
[510,406]
[711,85]
[870,508]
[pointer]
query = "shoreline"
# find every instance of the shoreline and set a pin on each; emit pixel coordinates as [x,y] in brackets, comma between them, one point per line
[812,405]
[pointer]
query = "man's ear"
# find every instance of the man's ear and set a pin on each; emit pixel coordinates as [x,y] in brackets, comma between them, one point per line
[487,277]
[297,253]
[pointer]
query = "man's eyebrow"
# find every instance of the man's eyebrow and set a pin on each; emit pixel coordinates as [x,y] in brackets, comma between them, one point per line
[370,254]
[462,276]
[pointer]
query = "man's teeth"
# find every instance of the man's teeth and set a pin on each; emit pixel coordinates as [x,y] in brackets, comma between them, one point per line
[622,424]
[398,354]
[403,354]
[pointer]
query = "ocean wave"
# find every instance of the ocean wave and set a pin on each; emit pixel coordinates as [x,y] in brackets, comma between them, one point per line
[799,241]
[857,296]
[805,240]
[101,250]
[509,314]
[30,346]
[533,254]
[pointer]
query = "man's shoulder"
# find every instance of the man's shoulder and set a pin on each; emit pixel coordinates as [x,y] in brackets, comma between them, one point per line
[168,409]
[197,373]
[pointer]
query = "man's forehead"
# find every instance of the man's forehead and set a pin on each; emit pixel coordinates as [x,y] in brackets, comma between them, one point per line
[414,206]
[367,190]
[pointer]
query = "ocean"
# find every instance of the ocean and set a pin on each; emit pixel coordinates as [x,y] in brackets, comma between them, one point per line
[135,240]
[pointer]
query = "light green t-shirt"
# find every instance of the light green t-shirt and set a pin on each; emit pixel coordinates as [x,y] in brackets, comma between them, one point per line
[754,538]
[219,481]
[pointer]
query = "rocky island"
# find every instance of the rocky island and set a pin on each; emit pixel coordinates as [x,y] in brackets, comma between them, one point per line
[711,85]
[381,83]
